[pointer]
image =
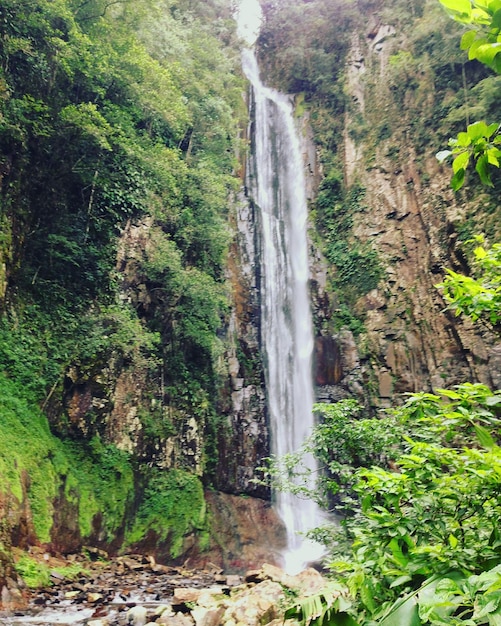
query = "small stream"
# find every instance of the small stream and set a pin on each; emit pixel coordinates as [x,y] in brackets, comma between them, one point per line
[108,594]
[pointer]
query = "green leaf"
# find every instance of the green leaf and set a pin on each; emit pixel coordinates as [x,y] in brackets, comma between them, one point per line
[492,156]
[457,181]
[477,130]
[401,580]
[463,7]
[342,619]
[467,39]
[460,162]
[482,168]
[463,139]
[486,52]
[491,129]
[496,19]
[484,436]
[403,613]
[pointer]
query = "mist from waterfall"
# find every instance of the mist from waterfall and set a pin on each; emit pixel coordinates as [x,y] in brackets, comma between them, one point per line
[276,186]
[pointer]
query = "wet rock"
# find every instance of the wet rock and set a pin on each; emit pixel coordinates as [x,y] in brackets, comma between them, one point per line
[207,617]
[94,597]
[184,595]
[137,616]
[106,597]
[71,595]
[175,620]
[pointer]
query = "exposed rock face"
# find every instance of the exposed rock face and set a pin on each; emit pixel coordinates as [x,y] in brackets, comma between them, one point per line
[245,443]
[245,533]
[411,342]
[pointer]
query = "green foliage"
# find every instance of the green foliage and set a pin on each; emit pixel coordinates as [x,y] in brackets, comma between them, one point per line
[37,575]
[481,143]
[357,269]
[173,505]
[112,127]
[35,464]
[483,43]
[101,485]
[113,116]
[426,539]
[343,441]
[34,573]
[329,606]
[478,297]
[37,346]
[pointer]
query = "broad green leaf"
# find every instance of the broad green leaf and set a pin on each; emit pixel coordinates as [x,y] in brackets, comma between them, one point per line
[467,39]
[463,7]
[491,129]
[341,619]
[492,156]
[495,618]
[457,181]
[485,53]
[480,253]
[479,16]
[484,436]
[472,52]
[477,130]
[482,168]
[401,580]
[403,613]
[496,20]
[463,139]
[460,162]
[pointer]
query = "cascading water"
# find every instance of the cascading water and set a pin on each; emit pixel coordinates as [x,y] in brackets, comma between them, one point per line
[276,186]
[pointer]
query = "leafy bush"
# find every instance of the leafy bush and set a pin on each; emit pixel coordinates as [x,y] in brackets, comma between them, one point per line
[478,297]
[426,535]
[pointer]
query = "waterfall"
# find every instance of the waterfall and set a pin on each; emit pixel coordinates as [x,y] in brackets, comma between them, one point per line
[276,186]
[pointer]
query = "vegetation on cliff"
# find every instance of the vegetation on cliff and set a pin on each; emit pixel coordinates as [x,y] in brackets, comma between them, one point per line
[113,117]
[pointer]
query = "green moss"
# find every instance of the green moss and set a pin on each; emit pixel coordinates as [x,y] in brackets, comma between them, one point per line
[33,573]
[102,482]
[27,447]
[36,574]
[98,478]
[173,506]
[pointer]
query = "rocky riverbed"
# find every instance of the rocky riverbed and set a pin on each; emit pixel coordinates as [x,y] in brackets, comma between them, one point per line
[135,590]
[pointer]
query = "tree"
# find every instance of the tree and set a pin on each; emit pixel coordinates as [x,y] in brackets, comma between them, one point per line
[479,298]
[481,143]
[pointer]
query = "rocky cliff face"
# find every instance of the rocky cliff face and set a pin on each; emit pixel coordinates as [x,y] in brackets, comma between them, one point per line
[409,215]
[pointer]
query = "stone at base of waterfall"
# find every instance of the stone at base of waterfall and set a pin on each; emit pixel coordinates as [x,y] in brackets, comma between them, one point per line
[207,617]
[175,620]
[307,582]
[137,616]
[257,602]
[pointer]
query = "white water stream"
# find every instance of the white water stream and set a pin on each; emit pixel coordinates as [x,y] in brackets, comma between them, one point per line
[276,185]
